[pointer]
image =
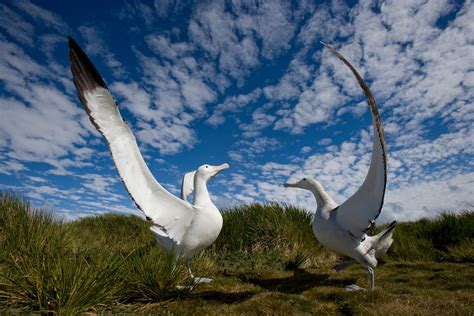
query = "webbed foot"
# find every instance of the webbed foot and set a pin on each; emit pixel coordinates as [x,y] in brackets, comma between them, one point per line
[202,280]
[354,287]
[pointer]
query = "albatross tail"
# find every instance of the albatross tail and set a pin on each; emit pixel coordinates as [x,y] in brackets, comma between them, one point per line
[383,240]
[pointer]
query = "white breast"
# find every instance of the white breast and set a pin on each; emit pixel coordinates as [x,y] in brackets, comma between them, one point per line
[203,231]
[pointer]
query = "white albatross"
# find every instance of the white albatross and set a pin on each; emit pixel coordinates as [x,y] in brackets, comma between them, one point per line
[179,226]
[344,228]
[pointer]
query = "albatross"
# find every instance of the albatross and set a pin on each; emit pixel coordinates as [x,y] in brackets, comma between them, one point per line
[179,226]
[345,228]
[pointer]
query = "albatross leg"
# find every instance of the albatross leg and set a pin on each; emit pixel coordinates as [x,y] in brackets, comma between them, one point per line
[196,279]
[372,277]
[188,267]
[355,287]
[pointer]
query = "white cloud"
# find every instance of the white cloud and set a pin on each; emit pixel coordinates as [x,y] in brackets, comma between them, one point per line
[212,29]
[230,34]
[232,104]
[429,198]
[47,126]
[165,48]
[49,42]
[169,137]
[271,21]
[305,150]
[99,183]
[32,136]
[411,62]
[135,99]
[16,26]
[320,101]
[176,94]
[95,46]
[327,22]
[137,11]
[43,16]
[292,83]
[260,120]
[12,167]
[249,150]
[197,94]
[324,141]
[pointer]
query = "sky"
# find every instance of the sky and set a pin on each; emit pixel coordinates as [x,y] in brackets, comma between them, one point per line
[243,82]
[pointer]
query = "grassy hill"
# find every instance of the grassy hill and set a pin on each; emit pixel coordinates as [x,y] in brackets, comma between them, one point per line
[265,261]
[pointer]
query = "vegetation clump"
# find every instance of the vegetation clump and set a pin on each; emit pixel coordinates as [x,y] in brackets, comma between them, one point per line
[265,260]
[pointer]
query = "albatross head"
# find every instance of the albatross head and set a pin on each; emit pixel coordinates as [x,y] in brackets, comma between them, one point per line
[207,171]
[323,199]
[305,183]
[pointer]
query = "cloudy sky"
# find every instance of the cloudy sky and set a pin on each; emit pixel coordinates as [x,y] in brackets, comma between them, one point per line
[243,82]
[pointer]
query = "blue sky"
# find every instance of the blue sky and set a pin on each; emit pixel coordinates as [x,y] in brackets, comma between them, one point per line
[243,82]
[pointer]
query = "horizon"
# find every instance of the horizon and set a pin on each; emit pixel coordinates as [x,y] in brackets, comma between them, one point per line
[247,84]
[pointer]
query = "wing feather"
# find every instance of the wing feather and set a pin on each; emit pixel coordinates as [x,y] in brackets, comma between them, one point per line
[187,186]
[166,210]
[365,205]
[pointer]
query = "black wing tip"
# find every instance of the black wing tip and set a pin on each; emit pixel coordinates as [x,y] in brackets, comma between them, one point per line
[83,70]
[75,49]
[329,46]
[73,46]
[71,41]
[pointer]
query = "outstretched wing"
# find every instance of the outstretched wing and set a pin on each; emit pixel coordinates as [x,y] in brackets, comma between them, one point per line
[187,187]
[169,212]
[358,212]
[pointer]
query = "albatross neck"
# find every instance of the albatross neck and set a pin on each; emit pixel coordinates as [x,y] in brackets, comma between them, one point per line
[323,200]
[201,195]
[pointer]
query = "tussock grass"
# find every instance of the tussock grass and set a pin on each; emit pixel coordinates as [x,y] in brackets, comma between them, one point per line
[152,276]
[256,227]
[266,260]
[40,272]
[268,235]
[449,237]
[48,266]
[120,233]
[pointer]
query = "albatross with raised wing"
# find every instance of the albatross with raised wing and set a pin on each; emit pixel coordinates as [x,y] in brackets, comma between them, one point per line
[179,226]
[344,228]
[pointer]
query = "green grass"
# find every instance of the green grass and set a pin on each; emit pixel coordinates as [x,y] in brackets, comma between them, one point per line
[40,272]
[271,236]
[265,261]
[449,237]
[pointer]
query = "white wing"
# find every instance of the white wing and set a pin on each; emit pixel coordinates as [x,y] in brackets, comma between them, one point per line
[169,212]
[358,212]
[187,187]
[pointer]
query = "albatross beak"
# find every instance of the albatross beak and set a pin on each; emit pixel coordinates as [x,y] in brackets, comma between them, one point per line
[221,167]
[218,169]
[290,185]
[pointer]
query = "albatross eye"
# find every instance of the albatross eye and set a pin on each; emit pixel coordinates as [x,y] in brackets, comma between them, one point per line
[304,179]
[207,166]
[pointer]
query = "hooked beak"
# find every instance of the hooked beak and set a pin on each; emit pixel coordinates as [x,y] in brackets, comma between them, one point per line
[290,185]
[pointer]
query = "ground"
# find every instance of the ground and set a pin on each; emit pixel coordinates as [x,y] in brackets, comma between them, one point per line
[402,288]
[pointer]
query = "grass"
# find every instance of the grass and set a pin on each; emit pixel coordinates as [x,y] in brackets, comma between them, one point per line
[40,272]
[449,237]
[265,261]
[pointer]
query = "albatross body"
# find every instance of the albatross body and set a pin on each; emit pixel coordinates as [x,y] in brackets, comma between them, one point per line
[344,228]
[179,226]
